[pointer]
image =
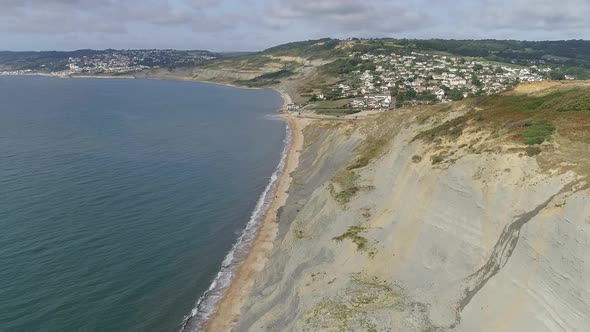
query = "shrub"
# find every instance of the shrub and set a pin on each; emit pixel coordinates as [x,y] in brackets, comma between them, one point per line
[538,130]
[353,234]
[437,159]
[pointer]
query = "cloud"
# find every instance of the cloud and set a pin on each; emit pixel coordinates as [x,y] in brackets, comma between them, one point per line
[349,16]
[251,24]
[535,14]
[101,16]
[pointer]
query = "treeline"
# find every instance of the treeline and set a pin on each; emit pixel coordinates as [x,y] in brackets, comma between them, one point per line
[345,66]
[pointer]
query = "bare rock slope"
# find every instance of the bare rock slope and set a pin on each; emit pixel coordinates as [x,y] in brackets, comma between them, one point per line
[418,221]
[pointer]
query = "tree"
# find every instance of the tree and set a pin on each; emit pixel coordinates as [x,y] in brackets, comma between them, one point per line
[477,67]
[455,94]
[556,75]
[394,92]
[426,96]
[411,94]
[476,81]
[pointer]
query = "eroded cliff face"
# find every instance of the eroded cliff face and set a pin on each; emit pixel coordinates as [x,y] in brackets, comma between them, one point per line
[384,231]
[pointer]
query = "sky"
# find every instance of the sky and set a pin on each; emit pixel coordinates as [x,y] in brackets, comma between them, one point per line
[251,25]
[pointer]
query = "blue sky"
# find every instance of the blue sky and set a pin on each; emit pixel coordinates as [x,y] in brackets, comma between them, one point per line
[247,25]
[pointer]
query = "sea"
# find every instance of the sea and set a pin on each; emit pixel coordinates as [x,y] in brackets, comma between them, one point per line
[126,205]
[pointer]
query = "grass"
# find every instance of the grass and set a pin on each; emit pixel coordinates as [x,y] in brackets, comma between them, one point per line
[331,104]
[347,181]
[451,129]
[356,307]
[274,75]
[353,234]
[336,112]
[333,107]
[256,83]
[299,234]
[538,131]
[371,149]
[530,119]
[437,159]
[578,101]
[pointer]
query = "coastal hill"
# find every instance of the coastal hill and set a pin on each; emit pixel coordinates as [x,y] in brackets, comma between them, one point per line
[334,76]
[460,214]
[467,216]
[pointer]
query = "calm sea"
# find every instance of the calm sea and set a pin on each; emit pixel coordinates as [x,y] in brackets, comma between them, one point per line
[120,199]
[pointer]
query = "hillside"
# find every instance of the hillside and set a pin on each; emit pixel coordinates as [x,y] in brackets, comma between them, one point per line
[339,77]
[468,216]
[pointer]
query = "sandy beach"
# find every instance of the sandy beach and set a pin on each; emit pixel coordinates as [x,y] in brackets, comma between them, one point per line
[228,309]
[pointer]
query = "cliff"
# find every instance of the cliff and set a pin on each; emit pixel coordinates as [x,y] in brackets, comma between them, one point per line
[436,218]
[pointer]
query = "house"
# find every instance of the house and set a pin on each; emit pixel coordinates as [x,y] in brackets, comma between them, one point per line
[440,94]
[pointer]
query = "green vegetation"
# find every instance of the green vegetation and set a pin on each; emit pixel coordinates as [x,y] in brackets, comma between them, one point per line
[571,57]
[369,150]
[455,94]
[347,65]
[299,234]
[267,79]
[347,179]
[355,306]
[437,159]
[452,129]
[338,107]
[336,112]
[353,234]
[530,119]
[331,104]
[320,48]
[347,182]
[577,100]
[274,75]
[538,131]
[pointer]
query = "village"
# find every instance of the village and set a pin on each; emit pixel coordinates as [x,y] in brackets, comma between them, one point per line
[389,81]
[116,62]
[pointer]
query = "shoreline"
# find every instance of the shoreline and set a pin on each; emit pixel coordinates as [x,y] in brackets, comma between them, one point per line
[209,302]
[227,310]
[153,77]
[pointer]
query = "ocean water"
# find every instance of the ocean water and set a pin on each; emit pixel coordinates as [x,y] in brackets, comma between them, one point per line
[120,199]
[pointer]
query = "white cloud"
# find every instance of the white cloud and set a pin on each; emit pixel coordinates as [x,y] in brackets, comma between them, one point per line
[250,24]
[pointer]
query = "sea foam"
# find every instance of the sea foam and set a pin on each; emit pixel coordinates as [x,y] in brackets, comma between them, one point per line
[207,303]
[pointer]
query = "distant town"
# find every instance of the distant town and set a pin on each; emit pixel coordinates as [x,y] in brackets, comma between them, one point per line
[108,62]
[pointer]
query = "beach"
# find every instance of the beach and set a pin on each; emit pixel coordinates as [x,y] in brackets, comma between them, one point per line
[228,308]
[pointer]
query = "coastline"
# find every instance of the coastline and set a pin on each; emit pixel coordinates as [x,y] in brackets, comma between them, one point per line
[227,310]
